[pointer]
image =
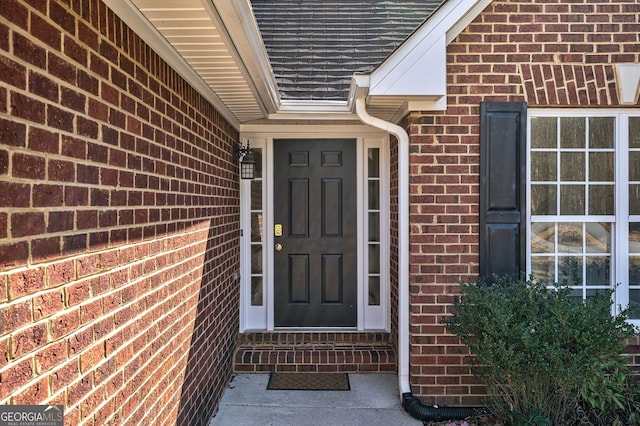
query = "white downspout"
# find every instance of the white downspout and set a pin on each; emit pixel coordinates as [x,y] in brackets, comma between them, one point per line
[403,237]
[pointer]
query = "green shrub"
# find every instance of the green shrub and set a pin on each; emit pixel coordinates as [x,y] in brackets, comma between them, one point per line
[542,354]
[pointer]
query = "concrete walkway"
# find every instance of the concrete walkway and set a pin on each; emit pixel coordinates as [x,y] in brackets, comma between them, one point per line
[372,400]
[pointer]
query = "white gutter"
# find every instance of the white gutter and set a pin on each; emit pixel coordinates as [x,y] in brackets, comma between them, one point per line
[403,236]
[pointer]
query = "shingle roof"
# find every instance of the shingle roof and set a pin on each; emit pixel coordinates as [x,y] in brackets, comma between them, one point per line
[315,46]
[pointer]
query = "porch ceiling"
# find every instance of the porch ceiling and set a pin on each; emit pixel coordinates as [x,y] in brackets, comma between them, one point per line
[192,37]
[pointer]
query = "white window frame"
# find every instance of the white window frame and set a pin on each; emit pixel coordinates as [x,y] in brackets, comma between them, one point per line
[370,318]
[253,317]
[620,220]
[374,317]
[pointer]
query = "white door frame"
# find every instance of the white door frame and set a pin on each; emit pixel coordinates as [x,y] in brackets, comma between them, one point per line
[261,317]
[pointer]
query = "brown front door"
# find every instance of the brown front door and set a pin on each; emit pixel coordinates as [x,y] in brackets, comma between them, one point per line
[315,259]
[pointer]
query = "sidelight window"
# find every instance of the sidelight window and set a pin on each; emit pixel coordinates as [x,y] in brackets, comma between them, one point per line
[257,233]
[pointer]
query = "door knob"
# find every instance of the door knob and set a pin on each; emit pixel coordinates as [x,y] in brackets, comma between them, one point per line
[278,247]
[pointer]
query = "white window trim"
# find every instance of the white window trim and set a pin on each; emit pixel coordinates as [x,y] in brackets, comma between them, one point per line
[370,318]
[621,219]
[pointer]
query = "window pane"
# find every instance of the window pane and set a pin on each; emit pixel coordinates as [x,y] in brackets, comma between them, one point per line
[543,237]
[256,291]
[634,165]
[543,269]
[374,226]
[634,304]
[374,195]
[374,259]
[634,270]
[256,195]
[570,238]
[634,239]
[256,227]
[374,291]
[634,132]
[634,199]
[543,166]
[572,166]
[544,132]
[572,132]
[570,270]
[576,294]
[374,162]
[598,237]
[257,156]
[598,270]
[592,292]
[572,199]
[601,132]
[601,167]
[543,199]
[601,200]
[256,258]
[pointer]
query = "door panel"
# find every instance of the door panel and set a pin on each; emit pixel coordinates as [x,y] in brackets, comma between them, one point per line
[315,271]
[298,208]
[298,278]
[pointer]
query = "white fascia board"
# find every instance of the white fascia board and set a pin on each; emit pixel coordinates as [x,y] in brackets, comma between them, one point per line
[313,110]
[419,65]
[296,130]
[463,22]
[243,34]
[135,20]
[420,105]
[313,106]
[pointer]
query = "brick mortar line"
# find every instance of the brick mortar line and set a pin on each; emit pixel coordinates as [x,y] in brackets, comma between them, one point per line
[146,240]
[100,165]
[111,334]
[102,38]
[184,232]
[47,321]
[208,134]
[210,139]
[177,377]
[229,357]
[156,354]
[75,232]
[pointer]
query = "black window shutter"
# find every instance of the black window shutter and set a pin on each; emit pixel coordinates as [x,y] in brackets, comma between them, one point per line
[503,138]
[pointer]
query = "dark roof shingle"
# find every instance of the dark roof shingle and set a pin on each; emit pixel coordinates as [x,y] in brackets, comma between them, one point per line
[315,46]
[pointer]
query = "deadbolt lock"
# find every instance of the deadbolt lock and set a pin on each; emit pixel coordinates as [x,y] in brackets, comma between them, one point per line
[278,247]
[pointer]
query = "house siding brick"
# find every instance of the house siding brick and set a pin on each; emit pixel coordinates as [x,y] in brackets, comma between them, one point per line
[118,224]
[547,53]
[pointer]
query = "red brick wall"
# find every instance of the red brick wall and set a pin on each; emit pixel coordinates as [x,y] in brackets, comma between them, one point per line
[118,224]
[393,255]
[548,53]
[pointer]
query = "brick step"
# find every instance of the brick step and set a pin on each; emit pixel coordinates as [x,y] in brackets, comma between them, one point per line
[315,352]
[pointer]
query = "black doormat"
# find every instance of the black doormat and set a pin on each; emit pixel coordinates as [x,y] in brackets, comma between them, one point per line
[309,381]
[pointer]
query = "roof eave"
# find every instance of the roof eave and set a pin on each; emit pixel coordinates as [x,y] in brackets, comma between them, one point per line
[414,77]
[243,32]
[135,20]
[313,110]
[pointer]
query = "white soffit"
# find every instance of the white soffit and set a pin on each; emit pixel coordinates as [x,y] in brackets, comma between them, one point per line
[186,35]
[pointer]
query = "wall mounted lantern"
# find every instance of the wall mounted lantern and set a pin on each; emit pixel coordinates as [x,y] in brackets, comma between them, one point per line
[244,155]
